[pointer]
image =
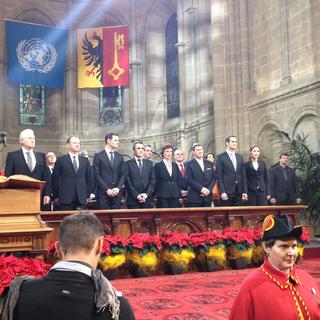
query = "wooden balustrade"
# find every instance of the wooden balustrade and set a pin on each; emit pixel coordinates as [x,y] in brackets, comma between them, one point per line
[158,221]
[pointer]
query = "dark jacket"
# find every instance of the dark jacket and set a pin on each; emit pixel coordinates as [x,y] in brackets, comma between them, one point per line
[257,180]
[63,295]
[136,183]
[197,179]
[67,183]
[168,186]
[280,188]
[106,176]
[231,181]
[16,164]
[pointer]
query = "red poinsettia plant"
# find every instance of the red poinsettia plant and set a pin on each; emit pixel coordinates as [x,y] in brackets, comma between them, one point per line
[241,239]
[114,244]
[143,243]
[257,235]
[202,241]
[176,241]
[305,237]
[11,267]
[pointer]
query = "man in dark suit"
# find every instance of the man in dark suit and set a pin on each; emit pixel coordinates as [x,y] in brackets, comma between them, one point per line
[231,174]
[71,178]
[73,288]
[109,170]
[169,181]
[50,162]
[200,179]
[140,180]
[28,162]
[283,183]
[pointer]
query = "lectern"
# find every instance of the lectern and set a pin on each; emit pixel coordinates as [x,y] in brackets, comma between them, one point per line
[21,227]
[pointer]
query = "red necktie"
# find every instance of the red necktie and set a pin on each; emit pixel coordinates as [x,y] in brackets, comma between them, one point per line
[182,169]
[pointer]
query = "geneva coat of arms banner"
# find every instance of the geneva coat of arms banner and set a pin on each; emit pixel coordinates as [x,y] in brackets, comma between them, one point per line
[103,57]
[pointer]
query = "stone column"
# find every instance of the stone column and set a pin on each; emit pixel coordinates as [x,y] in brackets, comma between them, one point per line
[285,44]
[182,73]
[3,74]
[218,13]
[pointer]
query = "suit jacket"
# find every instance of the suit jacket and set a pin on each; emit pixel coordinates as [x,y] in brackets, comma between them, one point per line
[136,183]
[67,183]
[231,181]
[16,164]
[257,179]
[279,186]
[107,177]
[197,179]
[168,186]
[63,295]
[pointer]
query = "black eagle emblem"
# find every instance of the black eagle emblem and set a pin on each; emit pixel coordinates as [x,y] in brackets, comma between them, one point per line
[93,55]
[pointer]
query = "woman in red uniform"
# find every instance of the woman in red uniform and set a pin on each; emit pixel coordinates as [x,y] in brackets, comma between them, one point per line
[277,290]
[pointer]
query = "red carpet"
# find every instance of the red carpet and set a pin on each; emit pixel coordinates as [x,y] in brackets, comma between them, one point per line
[191,296]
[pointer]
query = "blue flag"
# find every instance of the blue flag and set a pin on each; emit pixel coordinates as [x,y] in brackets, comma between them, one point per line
[35,54]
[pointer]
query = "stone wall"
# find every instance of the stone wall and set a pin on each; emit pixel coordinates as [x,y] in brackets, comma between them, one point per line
[246,67]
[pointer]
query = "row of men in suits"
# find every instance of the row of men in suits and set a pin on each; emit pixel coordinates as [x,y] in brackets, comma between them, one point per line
[72,180]
[250,182]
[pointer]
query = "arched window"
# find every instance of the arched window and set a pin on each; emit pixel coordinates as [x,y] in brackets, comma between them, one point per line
[172,68]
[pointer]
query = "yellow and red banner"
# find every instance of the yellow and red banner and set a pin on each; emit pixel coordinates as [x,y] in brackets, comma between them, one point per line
[103,57]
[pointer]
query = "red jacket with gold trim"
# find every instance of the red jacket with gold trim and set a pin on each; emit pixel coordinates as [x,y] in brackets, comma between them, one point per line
[270,294]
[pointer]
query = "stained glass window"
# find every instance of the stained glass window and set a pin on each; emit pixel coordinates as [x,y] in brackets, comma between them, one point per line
[172,68]
[111,106]
[32,105]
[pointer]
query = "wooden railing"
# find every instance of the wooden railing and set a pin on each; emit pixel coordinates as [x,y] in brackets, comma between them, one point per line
[158,221]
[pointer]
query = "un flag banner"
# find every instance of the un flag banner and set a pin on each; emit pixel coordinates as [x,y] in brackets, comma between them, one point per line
[35,54]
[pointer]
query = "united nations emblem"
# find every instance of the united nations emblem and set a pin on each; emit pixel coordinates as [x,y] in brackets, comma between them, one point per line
[36,55]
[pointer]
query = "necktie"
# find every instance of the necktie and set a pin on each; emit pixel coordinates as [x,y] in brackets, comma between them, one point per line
[140,165]
[182,169]
[111,158]
[285,174]
[233,159]
[74,163]
[29,161]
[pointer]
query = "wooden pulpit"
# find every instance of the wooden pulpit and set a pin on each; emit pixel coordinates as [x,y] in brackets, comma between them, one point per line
[21,227]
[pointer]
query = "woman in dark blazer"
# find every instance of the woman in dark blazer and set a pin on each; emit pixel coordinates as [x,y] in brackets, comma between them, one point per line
[169,180]
[257,179]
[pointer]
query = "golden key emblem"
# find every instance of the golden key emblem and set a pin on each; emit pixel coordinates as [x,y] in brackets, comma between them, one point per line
[116,71]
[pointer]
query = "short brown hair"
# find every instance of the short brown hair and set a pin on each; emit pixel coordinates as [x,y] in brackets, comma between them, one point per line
[78,232]
[165,147]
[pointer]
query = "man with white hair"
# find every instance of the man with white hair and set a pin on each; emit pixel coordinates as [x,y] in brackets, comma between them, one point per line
[28,162]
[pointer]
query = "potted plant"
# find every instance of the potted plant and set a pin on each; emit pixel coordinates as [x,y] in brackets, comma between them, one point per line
[304,240]
[257,250]
[211,250]
[113,255]
[143,254]
[177,252]
[307,166]
[11,267]
[240,245]
[51,255]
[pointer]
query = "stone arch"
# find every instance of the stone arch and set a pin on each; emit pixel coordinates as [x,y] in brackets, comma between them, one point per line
[35,15]
[309,125]
[210,147]
[154,30]
[269,142]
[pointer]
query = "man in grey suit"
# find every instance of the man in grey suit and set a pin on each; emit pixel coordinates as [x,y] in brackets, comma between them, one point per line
[28,162]
[71,179]
[231,174]
[140,180]
[109,171]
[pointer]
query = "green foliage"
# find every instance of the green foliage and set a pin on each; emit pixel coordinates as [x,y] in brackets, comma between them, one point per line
[307,166]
